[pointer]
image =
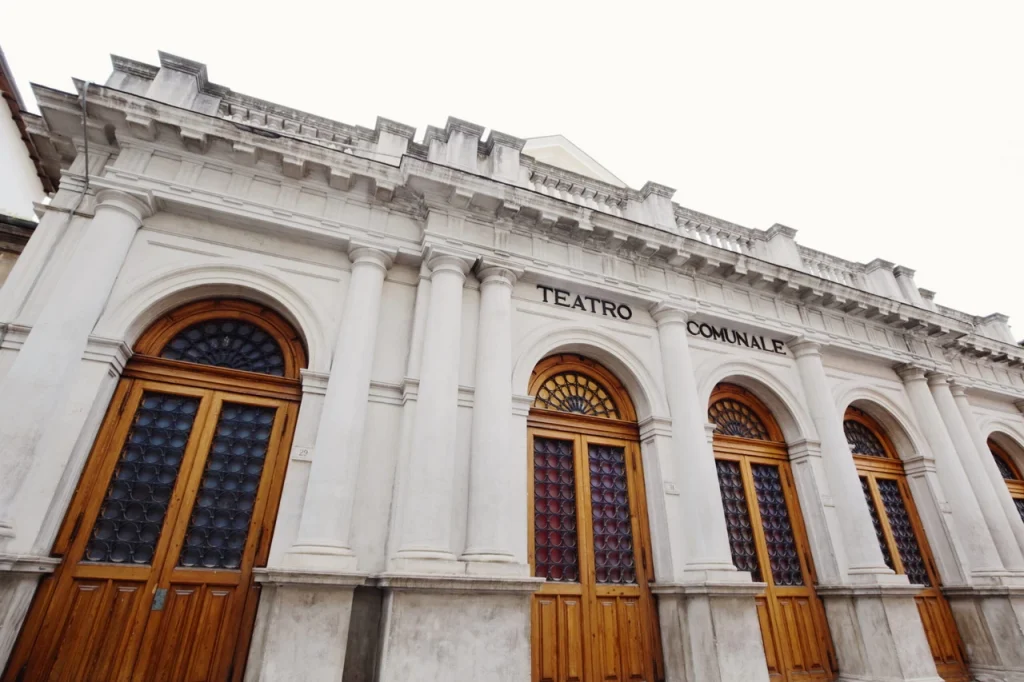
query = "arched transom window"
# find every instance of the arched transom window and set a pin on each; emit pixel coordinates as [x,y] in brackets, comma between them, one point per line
[1010,473]
[228,334]
[736,412]
[575,385]
[862,435]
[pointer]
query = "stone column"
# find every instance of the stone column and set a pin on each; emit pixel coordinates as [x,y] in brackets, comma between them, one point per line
[425,531]
[708,550]
[495,503]
[863,554]
[38,377]
[988,463]
[323,541]
[996,521]
[981,557]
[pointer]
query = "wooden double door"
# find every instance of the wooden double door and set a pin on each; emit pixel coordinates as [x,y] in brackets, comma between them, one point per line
[594,619]
[174,509]
[767,535]
[902,540]
[768,539]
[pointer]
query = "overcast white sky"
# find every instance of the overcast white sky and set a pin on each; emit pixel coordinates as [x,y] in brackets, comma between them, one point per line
[877,129]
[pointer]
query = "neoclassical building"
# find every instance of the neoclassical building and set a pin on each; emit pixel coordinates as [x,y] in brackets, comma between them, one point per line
[284,398]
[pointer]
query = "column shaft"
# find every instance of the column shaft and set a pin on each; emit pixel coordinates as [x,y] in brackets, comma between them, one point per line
[30,264]
[707,549]
[427,514]
[325,526]
[863,554]
[988,462]
[495,506]
[39,375]
[996,521]
[981,557]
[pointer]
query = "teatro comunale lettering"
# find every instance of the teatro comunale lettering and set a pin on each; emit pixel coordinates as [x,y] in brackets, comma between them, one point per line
[731,336]
[598,306]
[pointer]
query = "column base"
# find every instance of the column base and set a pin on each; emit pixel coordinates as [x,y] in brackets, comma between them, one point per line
[991,624]
[437,629]
[313,557]
[710,631]
[877,631]
[302,626]
[419,561]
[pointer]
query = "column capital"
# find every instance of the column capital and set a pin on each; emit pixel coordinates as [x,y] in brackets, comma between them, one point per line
[383,258]
[673,312]
[136,207]
[910,372]
[958,389]
[443,260]
[937,379]
[804,346]
[492,270]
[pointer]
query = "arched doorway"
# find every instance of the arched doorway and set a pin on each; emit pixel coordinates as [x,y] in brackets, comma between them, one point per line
[767,535]
[1011,474]
[901,536]
[174,508]
[594,618]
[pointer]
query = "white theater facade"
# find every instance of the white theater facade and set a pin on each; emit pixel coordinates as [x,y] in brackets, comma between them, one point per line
[289,399]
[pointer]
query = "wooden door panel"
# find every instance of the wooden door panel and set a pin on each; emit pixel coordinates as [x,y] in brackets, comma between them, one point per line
[938,626]
[557,634]
[803,638]
[608,655]
[194,634]
[632,639]
[78,649]
[771,652]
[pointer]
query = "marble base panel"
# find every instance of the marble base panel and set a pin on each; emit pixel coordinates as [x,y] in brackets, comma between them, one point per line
[877,634]
[441,629]
[302,626]
[19,578]
[710,633]
[991,624]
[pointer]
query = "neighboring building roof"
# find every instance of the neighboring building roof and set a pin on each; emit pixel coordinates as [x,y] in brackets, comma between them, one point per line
[558,151]
[16,104]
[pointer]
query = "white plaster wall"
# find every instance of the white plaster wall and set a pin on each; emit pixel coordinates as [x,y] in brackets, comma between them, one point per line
[19,184]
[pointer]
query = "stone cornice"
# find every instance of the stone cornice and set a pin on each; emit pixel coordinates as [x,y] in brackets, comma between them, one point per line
[488,200]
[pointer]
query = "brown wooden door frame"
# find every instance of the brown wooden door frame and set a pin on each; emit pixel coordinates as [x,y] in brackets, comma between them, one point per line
[936,615]
[749,453]
[582,431]
[212,386]
[765,446]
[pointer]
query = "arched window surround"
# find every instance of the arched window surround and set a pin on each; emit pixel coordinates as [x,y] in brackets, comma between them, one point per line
[567,362]
[737,394]
[153,341]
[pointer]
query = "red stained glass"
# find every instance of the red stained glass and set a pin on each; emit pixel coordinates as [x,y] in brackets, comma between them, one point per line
[613,530]
[554,520]
[778,530]
[737,518]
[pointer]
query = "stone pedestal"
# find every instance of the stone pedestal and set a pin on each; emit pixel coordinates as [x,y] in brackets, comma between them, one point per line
[877,633]
[301,627]
[710,632]
[991,624]
[19,577]
[441,628]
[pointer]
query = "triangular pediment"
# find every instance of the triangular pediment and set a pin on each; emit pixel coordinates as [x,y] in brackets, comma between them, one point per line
[558,151]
